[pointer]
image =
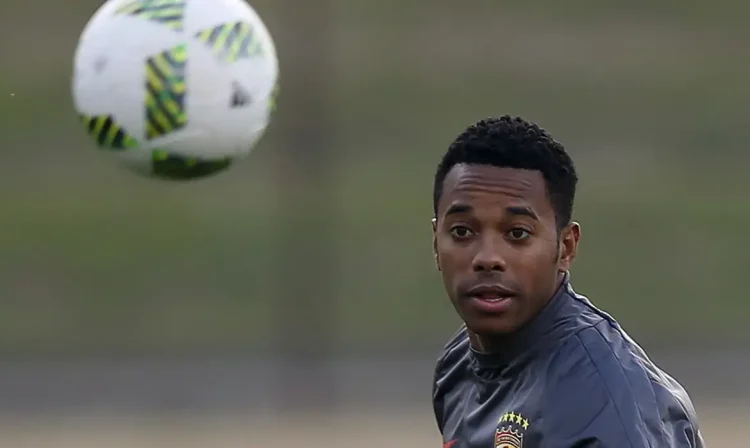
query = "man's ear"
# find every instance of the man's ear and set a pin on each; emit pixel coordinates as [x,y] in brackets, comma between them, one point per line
[570,237]
[434,243]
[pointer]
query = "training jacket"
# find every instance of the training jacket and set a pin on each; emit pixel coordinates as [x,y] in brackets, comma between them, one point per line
[570,378]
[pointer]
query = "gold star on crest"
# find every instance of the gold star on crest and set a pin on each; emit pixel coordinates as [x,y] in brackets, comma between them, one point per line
[515,418]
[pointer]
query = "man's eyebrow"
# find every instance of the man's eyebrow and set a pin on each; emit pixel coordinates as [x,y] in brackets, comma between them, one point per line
[522,211]
[458,209]
[515,210]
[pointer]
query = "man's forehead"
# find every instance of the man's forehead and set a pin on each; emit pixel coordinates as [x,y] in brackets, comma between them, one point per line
[471,188]
[466,179]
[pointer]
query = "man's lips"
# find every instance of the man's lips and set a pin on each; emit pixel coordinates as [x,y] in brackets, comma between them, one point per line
[490,298]
[494,291]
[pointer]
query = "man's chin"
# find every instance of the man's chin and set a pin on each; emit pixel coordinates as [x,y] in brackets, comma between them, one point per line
[492,325]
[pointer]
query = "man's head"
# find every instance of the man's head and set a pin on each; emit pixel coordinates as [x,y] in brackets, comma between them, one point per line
[503,199]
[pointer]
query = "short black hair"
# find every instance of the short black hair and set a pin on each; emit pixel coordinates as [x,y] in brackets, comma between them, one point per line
[512,142]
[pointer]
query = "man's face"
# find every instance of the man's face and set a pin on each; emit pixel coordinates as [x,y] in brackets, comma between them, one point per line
[497,246]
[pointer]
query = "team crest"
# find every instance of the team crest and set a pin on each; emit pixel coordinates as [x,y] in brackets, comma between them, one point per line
[510,430]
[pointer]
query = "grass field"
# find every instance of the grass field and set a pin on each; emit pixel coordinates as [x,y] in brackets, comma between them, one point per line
[723,428]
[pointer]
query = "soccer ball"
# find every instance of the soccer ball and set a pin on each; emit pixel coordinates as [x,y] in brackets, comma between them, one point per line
[176,89]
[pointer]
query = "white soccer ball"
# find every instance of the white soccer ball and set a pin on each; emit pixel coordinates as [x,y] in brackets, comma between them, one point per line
[177,89]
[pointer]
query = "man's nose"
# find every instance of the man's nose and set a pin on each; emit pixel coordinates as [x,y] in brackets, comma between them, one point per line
[488,257]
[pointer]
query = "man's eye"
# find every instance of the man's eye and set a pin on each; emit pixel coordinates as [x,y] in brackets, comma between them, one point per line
[461,232]
[518,234]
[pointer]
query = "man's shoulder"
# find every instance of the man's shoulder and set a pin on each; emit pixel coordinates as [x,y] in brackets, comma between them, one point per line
[604,354]
[456,347]
[450,372]
[602,375]
[452,367]
[454,356]
[621,363]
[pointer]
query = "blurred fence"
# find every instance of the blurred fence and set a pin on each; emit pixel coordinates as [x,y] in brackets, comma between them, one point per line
[651,99]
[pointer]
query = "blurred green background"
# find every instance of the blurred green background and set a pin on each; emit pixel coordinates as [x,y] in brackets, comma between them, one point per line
[285,255]
[651,99]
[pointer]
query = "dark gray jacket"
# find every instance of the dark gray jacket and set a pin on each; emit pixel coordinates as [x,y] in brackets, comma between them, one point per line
[571,378]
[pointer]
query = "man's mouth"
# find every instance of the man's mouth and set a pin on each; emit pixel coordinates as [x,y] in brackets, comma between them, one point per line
[490,292]
[491,298]
[488,297]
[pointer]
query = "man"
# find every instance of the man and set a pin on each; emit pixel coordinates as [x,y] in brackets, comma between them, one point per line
[535,365]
